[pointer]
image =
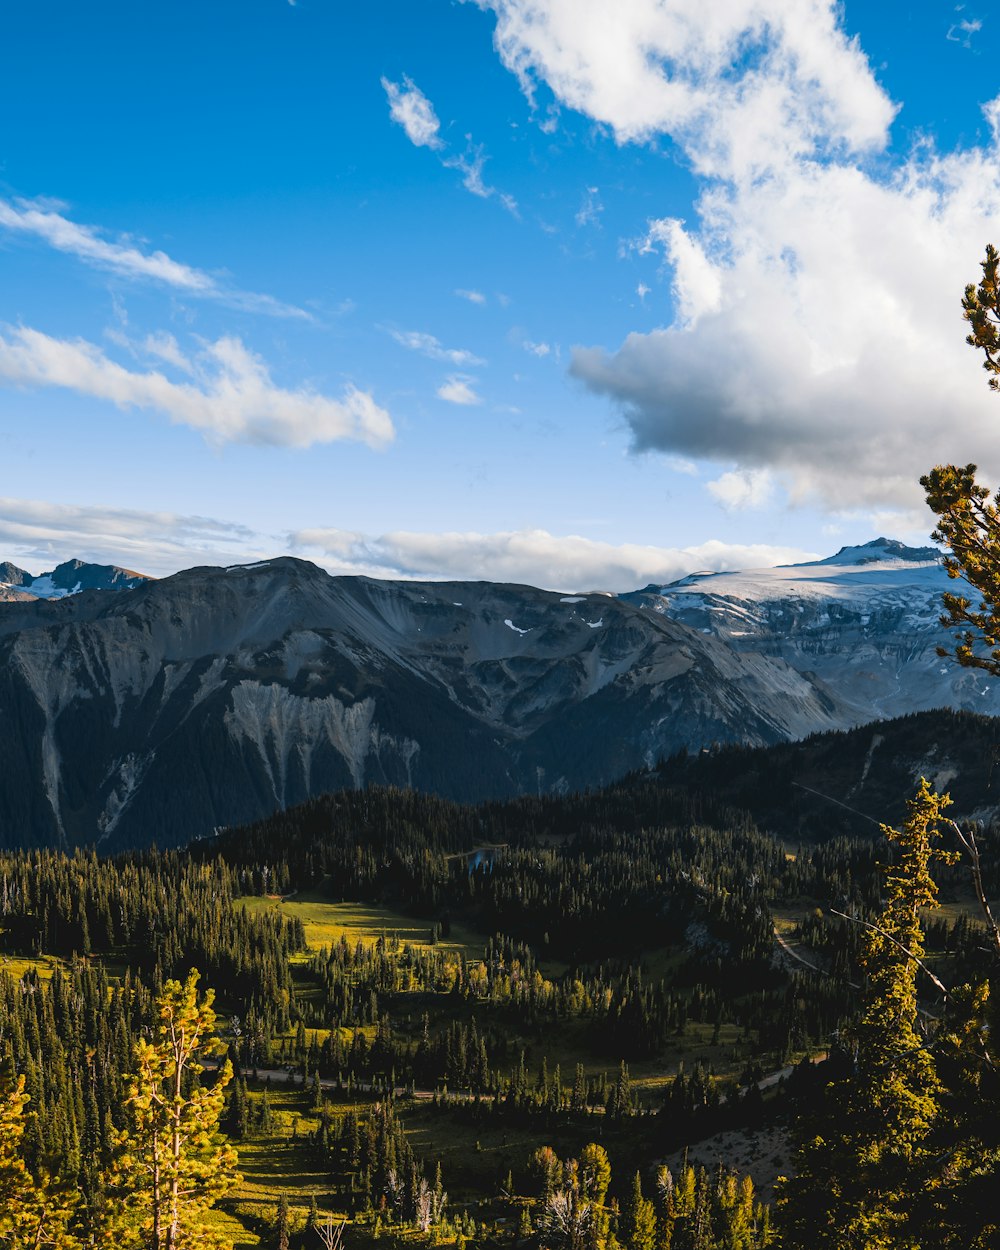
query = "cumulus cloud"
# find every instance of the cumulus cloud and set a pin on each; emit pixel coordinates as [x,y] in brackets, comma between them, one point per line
[411,109]
[474,297]
[39,535]
[533,557]
[458,390]
[429,346]
[836,355]
[747,83]
[46,221]
[817,330]
[230,397]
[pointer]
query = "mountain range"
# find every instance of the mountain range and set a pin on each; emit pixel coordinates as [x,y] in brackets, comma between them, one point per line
[68,578]
[175,706]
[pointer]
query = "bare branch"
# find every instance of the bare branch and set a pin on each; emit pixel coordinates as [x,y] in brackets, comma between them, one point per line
[899,946]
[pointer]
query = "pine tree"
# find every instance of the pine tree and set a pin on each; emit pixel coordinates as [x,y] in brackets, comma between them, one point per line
[33,1214]
[859,1172]
[638,1224]
[171,1164]
[282,1224]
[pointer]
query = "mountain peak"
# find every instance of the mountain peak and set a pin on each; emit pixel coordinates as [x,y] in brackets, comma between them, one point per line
[878,551]
[69,578]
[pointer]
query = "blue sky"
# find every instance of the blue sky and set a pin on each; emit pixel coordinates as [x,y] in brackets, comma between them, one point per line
[554,291]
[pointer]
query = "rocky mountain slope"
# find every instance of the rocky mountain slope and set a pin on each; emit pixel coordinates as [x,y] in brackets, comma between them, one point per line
[864,622]
[68,578]
[217,695]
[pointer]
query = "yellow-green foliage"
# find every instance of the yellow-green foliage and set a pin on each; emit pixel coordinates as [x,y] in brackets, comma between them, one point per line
[171,1164]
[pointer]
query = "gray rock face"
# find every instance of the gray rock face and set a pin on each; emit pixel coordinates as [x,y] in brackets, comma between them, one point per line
[217,695]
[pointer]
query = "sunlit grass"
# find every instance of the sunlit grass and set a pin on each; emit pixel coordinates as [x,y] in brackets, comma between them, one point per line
[326,922]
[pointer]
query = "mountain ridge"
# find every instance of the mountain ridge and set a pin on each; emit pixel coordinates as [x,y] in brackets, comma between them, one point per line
[68,578]
[219,694]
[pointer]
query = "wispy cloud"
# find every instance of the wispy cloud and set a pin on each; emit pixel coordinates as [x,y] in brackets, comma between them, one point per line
[963,30]
[458,390]
[47,222]
[411,109]
[429,346]
[589,212]
[534,557]
[230,397]
[39,535]
[474,297]
[537,349]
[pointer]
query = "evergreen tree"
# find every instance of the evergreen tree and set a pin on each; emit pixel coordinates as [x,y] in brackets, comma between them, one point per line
[282,1224]
[33,1215]
[638,1224]
[858,1173]
[171,1164]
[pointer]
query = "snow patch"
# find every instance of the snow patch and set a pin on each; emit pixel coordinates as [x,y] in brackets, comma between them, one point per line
[510,625]
[45,588]
[573,599]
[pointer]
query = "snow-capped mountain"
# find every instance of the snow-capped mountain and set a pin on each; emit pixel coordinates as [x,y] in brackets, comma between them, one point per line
[68,578]
[217,695]
[865,622]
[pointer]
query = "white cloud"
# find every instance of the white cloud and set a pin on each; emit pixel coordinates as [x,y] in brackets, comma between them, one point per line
[166,348]
[474,297]
[428,345]
[589,212]
[817,330]
[411,109]
[963,30]
[40,535]
[743,488]
[697,286]
[834,352]
[230,399]
[536,349]
[43,220]
[534,557]
[743,83]
[458,390]
[470,166]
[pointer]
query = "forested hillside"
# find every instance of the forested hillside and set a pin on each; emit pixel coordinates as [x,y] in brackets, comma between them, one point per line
[471,1023]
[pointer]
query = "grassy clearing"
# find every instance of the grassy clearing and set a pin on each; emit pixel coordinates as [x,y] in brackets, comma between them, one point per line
[281,1163]
[326,923]
[17,965]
